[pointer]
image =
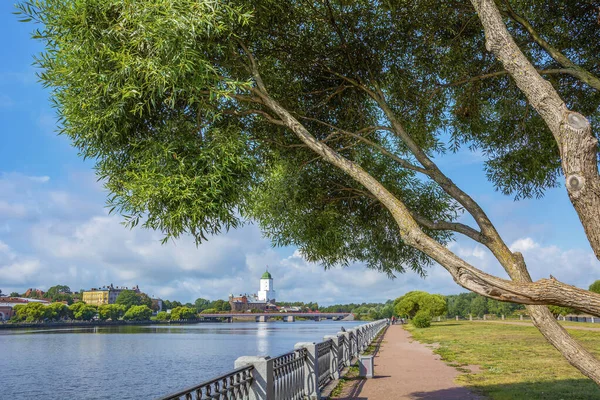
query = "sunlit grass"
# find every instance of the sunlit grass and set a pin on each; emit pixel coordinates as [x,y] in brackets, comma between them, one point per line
[516,360]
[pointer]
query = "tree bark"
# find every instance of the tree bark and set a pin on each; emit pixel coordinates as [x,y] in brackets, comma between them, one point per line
[578,149]
[571,130]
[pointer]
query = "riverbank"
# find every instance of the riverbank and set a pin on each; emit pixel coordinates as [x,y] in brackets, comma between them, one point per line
[91,324]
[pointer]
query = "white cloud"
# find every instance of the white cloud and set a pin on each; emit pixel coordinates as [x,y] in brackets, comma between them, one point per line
[39,179]
[19,272]
[523,245]
[66,237]
[476,251]
[15,269]
[12,210]
[5,250]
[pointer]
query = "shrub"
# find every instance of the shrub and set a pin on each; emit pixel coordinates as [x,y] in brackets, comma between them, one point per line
[163,316]
[422,320]
[183,313]
[138,313]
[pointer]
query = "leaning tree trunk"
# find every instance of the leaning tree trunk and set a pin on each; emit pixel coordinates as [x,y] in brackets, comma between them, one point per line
[572,131]
[578,150]
[463,273]
[520,290]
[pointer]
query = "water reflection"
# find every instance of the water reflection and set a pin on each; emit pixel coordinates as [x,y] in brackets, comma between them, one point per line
[262,338]
[106,362]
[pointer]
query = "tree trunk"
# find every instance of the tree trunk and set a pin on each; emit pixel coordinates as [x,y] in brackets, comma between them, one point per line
[578,149]
[571,130]
[522,290]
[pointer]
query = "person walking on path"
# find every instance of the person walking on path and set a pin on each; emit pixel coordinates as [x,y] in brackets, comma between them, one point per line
[407,369]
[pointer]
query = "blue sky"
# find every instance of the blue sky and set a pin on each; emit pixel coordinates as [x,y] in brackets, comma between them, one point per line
[54,228]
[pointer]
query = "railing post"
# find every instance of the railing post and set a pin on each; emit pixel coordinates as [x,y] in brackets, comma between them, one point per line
[334,364]
[353,343]
[347,356]
[363,337]
[311,375]
[262,387]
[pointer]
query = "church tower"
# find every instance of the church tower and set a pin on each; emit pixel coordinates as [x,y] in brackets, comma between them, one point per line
[266,292]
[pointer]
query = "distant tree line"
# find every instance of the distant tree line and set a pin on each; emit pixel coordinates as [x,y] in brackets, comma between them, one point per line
[466,304]
[130,305]
[54,293]
[363,311]
[199,305]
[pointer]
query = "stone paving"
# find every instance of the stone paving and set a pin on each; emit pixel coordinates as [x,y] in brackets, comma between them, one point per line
[407,369]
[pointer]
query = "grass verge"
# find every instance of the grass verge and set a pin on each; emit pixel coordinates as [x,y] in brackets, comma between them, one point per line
[517,361]
[351,375]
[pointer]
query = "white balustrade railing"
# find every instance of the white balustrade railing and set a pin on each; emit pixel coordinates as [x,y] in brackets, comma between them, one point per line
[234,385]
[289,375]
[297,375]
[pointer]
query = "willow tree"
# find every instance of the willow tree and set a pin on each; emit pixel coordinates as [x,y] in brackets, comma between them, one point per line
[322,121]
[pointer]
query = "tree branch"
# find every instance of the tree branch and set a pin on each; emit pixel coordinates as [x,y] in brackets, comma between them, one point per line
[542,292]
[265,114]
[404,163]
[451,226]
[571,68]
[512,263]
[494,74]
[571,130]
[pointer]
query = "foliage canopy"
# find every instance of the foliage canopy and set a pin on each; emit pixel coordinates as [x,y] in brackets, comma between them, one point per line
[417,301]
[203,114]
[156,93]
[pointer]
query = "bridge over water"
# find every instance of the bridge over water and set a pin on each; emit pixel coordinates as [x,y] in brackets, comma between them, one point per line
[287,317]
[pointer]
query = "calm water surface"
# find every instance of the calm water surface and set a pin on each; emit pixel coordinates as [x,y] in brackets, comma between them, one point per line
[138,362]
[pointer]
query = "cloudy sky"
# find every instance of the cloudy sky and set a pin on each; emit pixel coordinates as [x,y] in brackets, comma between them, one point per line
[54,228]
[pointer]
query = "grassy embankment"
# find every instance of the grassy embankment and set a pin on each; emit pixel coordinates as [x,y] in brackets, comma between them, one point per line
[517,362]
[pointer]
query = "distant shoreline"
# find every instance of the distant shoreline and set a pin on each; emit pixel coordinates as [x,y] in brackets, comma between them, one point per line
[92,324]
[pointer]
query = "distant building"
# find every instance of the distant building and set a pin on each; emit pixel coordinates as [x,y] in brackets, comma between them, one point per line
[157,305]
[105,294]
[266,292]
[263,301]
[7,305]
[34,293]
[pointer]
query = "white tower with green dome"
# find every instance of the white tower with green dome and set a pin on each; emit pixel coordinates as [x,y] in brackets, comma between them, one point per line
[266,292]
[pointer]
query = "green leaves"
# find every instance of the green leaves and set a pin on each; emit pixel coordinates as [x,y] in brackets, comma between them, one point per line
[138,313]
[160,94]
[137,86]
[420,303]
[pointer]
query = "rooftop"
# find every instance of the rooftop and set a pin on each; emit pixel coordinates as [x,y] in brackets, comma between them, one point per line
[266,275]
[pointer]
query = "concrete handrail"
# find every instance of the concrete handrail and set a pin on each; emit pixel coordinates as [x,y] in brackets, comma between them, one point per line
[302,373]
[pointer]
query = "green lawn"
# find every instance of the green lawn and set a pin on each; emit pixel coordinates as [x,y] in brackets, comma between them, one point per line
[516,360]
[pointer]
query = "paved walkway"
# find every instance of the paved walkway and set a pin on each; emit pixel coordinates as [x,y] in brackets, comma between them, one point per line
[407,369]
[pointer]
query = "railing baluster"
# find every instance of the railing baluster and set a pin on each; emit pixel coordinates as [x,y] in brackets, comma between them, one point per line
[289,371]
